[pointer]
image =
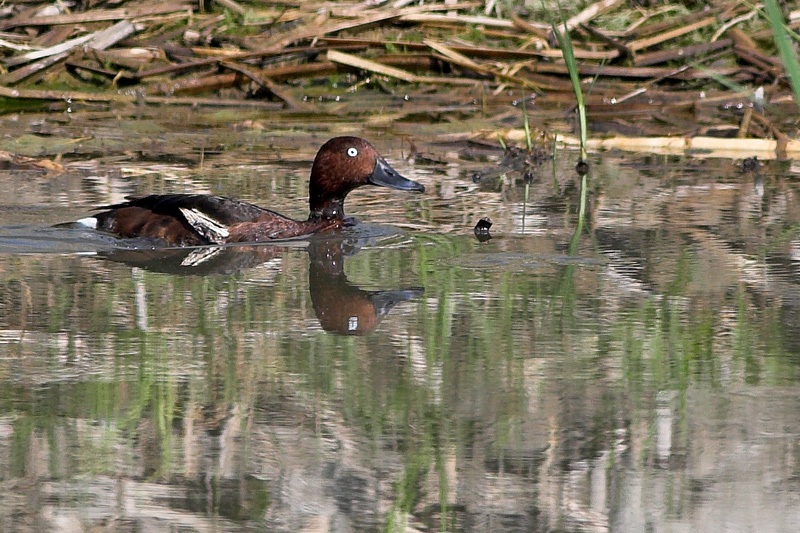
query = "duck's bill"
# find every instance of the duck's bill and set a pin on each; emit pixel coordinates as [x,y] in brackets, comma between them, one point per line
[386,176]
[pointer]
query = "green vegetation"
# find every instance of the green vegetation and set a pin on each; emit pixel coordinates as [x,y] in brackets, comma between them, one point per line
[783,41]
[565,43]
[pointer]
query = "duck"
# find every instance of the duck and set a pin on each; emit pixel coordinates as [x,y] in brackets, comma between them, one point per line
[341,165]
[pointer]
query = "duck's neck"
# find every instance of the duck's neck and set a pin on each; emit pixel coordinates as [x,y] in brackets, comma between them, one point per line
[332,209]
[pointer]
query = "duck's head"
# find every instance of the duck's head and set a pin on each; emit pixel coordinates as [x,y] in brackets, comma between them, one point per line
[343,164]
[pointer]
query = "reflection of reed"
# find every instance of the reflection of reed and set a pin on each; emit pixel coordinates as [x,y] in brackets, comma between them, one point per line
[526,390]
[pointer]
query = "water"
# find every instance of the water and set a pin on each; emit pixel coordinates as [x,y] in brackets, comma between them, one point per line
[402,374]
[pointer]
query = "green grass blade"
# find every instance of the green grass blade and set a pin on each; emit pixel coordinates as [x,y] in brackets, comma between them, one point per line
[527,126]
[788,56]
[565,43]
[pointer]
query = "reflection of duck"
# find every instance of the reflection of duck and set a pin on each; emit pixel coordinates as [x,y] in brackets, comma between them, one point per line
[340,306]
[341,165]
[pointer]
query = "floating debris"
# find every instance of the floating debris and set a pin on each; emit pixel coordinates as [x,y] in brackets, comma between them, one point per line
[482,229]
[751,165]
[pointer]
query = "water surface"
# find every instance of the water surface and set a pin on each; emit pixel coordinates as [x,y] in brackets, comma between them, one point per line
[642,375]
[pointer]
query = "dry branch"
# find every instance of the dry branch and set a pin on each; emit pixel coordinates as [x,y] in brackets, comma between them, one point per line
[97,15]
[392,72]
[99,40]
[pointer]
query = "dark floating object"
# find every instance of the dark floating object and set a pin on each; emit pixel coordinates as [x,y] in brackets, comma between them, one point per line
[582,168]
[482,229]
[750,165]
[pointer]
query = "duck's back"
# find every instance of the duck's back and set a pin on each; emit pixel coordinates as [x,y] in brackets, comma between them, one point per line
[185,219]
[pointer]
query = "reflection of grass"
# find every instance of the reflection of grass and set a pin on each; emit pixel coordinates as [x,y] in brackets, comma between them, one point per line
[456,369]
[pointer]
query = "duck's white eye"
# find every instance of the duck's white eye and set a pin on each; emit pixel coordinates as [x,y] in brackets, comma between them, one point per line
[352,151]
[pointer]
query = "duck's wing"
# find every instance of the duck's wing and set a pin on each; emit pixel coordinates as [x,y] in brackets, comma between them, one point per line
[222,209]
[182,219]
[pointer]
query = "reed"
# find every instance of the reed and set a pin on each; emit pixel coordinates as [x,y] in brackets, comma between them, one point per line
[565,43]
[782,36]
[526,125]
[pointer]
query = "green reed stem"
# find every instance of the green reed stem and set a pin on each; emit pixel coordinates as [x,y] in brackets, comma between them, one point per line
[782,41]
[565,43]
[526,124]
